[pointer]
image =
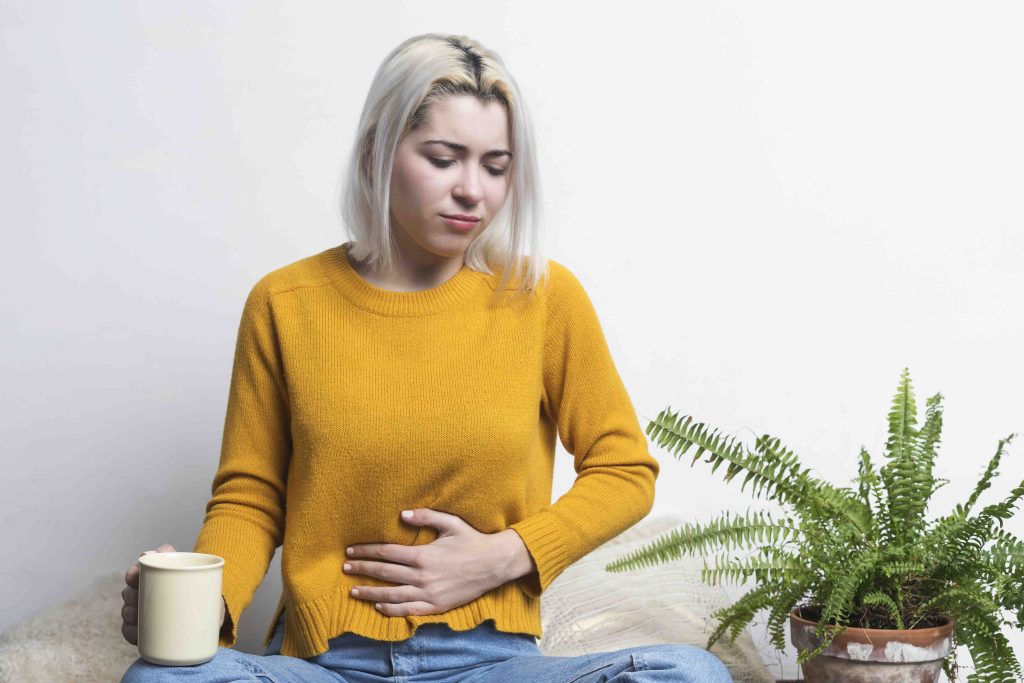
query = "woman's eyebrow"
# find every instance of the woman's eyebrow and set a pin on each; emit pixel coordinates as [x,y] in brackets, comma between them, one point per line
[462,148]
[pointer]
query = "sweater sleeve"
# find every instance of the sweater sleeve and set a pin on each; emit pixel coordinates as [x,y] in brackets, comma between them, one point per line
[586,399]
[244,521]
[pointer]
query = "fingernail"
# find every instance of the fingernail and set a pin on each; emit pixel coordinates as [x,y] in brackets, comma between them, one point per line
[149,552]
[407,513]
[347,567]
[348,551]
[377,605]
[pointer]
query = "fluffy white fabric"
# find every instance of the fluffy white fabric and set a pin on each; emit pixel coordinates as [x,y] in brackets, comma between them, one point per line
[79,640]
[585,609]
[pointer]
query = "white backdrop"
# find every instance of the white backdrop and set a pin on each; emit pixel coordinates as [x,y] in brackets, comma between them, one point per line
[775,207]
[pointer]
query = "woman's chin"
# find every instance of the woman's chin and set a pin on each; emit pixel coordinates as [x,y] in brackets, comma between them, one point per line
[454,244]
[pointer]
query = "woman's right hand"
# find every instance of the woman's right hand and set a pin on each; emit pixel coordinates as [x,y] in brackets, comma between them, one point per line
[130,611]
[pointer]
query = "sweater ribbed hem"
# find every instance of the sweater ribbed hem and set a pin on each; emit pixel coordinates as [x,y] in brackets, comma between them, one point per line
[395,303]
[310,625]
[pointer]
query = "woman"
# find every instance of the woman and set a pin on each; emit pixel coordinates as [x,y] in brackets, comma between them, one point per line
[424,366]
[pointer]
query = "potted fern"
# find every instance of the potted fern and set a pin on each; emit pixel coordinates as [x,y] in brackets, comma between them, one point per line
[858,573]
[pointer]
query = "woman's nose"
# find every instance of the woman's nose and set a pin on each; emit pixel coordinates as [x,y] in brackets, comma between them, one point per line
[468,187]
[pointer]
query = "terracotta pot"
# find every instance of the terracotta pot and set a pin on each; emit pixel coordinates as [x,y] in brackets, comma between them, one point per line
[871,655]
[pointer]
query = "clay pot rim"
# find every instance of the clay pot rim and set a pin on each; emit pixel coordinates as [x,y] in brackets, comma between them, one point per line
[937,631]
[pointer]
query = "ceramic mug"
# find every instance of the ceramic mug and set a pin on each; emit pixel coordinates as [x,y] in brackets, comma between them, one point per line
[179,607]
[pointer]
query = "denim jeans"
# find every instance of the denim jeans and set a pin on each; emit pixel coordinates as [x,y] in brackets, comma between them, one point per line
[437,654]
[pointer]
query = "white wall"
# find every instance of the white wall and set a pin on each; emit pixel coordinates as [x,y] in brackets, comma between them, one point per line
[774,206]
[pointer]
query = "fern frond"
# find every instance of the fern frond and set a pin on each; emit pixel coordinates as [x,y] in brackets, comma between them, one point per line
[726,531]
[901,568]
[1004,560]
[882,600]
[931,430]
[870,488]
[928,441]
[993,657]
[774,471]
[958,545]
[902,418]
[772,565]
[816,498]
[907,484]
[737,615]
[1004,509]
[840,602]
[789,595]
[954,599]
[986,479]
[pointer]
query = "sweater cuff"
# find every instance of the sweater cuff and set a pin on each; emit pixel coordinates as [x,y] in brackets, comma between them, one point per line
[545,541]
[243,570]
[229,630]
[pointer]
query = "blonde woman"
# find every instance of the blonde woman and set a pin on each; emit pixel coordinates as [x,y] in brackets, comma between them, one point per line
[394,407]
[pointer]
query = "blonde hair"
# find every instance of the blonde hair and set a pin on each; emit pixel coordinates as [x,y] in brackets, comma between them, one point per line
[420,71]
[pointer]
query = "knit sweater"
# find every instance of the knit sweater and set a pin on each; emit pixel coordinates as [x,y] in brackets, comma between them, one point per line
[349,403]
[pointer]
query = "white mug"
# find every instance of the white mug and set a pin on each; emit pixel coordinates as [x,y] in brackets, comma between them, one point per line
[179,607]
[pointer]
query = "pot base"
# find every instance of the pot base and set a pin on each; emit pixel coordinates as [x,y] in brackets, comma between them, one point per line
[866,655]
[829,670]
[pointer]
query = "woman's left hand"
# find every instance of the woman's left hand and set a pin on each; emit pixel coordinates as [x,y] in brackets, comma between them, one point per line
[459,566]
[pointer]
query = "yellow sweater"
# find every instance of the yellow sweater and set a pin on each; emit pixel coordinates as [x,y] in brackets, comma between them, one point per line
[349,403]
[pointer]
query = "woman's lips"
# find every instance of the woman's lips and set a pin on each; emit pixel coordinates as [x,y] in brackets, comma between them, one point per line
[460,225]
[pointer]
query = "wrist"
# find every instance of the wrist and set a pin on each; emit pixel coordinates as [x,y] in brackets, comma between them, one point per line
[513,559]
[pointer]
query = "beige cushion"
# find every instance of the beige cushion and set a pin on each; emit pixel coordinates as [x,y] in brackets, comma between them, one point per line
[78,640]
[588,609]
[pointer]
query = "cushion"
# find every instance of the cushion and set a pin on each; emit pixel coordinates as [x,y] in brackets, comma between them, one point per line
[78,640]
[588,609]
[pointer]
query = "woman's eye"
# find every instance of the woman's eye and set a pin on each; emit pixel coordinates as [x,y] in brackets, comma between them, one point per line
[445,163]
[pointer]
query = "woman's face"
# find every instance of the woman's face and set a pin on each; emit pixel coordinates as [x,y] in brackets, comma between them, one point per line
[458,163]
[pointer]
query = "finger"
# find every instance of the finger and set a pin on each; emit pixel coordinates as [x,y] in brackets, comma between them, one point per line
[129,614]
[406,609]
[387,571]
[389,594]
[445,522]
[130,596]
[130,633]
[390,552]
[133,571]
[131,577]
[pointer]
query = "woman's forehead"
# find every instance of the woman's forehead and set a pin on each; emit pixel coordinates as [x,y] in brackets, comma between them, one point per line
[465,124]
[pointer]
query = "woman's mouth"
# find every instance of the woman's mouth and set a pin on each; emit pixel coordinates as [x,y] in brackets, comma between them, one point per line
[460,224]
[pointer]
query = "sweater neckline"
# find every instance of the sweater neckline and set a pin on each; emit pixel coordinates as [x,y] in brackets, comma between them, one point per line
[393,303]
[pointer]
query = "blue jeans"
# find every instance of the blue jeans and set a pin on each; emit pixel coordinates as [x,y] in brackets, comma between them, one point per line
[437,654]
